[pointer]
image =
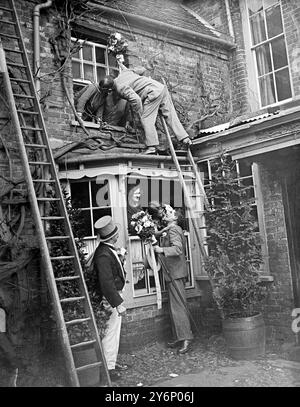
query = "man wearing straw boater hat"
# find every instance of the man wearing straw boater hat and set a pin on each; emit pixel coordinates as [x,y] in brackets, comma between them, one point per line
[111,277]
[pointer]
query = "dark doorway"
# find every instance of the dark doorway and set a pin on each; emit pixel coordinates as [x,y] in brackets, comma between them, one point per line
[291,199]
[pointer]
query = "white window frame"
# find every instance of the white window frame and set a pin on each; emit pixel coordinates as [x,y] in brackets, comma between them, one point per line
[95,64]
[254,96]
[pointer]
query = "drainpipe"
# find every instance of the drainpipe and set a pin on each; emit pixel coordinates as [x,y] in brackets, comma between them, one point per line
[36,42]
[229,19]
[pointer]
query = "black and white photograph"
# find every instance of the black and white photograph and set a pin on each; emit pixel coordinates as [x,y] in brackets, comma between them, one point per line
[150,196]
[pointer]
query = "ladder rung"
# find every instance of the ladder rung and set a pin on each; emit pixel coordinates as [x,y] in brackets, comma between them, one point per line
[31,128]
[20,95]
[27,112]
[77,321]
[45,181]
[19,80]
[35,146]
[82,344]
[9,36]
[71,299]
[69,278]
[48,199]
[16,65]
[57,237]
[38,163]
[7,22]
[62,258]
[17,51]
[52,217]
[6,9]
[90,366]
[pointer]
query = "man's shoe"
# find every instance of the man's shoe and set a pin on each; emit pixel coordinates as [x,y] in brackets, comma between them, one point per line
[114,375]
[186,346]
[173,344]
[150,150]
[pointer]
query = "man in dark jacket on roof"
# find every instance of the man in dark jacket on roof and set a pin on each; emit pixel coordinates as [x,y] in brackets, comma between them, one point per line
[99,102]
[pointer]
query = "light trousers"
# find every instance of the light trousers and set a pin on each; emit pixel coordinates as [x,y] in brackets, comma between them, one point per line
[164,104]
[111,340]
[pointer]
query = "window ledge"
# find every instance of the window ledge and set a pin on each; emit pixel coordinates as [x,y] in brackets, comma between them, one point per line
[263,278]
[150,299]
[89,125]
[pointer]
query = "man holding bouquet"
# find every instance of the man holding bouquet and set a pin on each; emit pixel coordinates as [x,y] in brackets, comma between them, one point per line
[173,257]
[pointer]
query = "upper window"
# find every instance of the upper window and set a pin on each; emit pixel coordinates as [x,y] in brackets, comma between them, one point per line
[91,63]
[269,48]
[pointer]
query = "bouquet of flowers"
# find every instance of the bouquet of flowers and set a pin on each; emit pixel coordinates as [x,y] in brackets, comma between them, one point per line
[143,225]
[117,44]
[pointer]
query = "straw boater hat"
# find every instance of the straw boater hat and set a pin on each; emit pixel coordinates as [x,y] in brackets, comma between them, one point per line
[106,228]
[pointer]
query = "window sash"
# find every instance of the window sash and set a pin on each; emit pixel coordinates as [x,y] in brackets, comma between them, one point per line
[269,51]
[93,63]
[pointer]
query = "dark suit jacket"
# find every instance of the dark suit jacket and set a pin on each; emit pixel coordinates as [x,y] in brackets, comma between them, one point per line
[174,252]
[109,273]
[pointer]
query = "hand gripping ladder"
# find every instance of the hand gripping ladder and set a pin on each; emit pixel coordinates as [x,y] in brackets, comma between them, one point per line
[72,311]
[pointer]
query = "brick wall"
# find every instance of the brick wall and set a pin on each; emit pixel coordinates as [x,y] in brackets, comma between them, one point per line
[279,305]
[146,325]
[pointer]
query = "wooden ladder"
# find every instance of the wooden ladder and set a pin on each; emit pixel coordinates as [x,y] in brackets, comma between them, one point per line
[69,294]
[196,216]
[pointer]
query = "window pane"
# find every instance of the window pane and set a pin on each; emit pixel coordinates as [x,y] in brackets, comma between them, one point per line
[80,194]
[258,28]
[76,55]
[101,72]
[244,169]
[263,59]
[87,52]
[100,55]
[89,72]
[76,70]
[77,88]
[274,22]
[248,182]
[86,215]
[255,216]
[282,78]
[268,3]
[279,53]
[254,6]
[100,193]
[112,60]
[267,92]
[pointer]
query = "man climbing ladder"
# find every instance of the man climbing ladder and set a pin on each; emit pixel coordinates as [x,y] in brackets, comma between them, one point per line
[148,97]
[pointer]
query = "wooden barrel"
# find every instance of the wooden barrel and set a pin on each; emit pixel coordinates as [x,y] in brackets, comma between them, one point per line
[245,337]
[89,377]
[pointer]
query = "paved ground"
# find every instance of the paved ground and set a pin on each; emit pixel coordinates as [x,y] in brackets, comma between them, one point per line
[206,365]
